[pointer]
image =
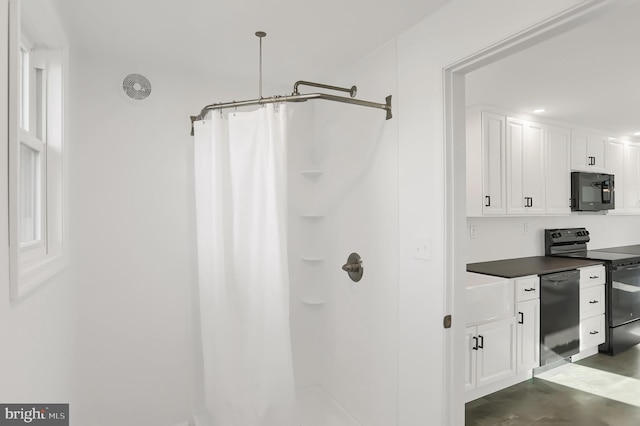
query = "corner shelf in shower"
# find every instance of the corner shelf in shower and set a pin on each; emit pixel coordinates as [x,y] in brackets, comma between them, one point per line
[312,174]
[312,259]
[312,216]
[311,301]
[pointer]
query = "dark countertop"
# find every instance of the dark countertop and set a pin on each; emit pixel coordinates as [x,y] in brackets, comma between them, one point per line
[523,266]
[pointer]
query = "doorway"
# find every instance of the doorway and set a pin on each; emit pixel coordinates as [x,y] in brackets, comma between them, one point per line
[455,178]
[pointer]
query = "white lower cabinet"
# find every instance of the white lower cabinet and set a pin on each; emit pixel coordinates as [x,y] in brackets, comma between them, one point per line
[591,332]
[528,335]
[592,294]
[493,347]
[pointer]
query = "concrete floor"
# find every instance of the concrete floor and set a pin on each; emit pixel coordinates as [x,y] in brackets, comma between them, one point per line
[543,402]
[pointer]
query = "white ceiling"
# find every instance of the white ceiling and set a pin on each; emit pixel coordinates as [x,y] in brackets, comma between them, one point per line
[304,40]
[589,76]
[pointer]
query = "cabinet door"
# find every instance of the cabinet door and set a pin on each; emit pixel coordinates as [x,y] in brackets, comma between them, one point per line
[493,159]
[595,151]
[579,155]
[591,301]
[515,166]
[592,332]
[558,176]
[496,353]
[471,343]
[615,164]
[525,167]
[587,151]
[533,161]
[591,276]
[528,335]
[631,179]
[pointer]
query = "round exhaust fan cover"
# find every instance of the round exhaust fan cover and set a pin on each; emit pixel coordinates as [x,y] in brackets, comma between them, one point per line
[136,86]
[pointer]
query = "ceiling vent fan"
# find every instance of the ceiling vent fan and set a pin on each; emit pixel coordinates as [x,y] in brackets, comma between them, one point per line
[136,87]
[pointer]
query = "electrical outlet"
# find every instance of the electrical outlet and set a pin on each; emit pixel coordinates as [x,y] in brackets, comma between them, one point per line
[526,229]
[472,232]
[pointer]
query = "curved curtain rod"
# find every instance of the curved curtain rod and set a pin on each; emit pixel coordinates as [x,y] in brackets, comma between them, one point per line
[298,97]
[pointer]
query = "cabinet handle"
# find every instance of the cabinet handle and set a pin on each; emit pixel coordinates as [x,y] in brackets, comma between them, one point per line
[475,346]
[521,321]
[487,200]
[530,201]
[593,332]
[530,289]
[481,344]
[593,301]
[592,161]
[595,277]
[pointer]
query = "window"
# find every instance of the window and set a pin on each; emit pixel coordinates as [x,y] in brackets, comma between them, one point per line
[35,152]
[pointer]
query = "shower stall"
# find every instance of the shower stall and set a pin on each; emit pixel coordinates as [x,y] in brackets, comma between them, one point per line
[343,199]
[342,191]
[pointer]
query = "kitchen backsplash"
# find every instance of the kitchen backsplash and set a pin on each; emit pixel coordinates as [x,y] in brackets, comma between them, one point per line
[493,238]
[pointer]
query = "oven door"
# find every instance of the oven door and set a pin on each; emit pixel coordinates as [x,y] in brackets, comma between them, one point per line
[625,294]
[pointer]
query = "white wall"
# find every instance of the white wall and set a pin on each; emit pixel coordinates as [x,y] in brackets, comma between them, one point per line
[132,254]
[459,29]
[37,331]
[505,238]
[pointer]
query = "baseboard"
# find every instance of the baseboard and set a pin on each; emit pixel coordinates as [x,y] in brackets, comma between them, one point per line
[495,387]
[584,354]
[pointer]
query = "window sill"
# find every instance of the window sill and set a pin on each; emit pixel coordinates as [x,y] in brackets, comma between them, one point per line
[34,274]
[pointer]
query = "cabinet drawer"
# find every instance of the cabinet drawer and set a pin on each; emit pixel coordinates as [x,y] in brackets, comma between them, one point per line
[591,332]
[591,301]
[527,288]
[593,275]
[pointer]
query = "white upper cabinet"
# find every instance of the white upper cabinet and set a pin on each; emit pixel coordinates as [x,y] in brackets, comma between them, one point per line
[558,168]
[485,164]
[587,151]
[525,167]
[615,165]
[623,161]
[521,167]
[631,178]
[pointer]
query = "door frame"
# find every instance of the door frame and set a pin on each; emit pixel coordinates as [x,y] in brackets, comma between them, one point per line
[455,181]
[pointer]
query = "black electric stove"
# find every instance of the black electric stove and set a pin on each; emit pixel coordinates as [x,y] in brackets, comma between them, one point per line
[605,256]
[622,295]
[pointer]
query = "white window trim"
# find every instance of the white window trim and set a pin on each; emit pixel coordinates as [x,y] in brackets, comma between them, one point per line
[33,264]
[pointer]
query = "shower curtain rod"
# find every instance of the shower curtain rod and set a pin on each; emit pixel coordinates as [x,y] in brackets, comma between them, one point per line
[298,97]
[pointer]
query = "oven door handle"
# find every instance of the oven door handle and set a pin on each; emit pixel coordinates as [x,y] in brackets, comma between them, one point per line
[626,268]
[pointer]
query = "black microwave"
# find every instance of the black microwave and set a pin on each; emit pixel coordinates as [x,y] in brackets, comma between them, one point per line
[592,192]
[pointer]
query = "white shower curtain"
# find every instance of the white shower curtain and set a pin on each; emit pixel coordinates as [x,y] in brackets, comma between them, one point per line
[241,206]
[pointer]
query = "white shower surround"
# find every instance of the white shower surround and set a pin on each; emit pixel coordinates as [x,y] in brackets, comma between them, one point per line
[345,334]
